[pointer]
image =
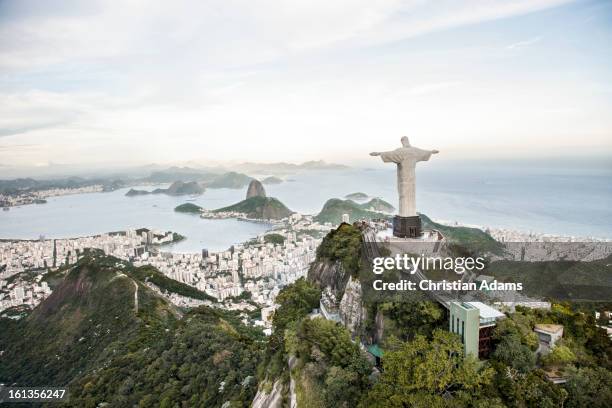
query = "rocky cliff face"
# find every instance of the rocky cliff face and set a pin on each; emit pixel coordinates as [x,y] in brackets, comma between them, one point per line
[331,277]
[269,399]
[273,398]
[256,189]
[380,326]
[328,274]
[351,308]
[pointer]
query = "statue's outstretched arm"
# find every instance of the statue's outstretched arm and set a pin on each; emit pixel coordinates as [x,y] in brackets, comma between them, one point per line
[435,151]
[375,154]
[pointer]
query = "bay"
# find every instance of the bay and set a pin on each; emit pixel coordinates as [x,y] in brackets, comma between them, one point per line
[549,200]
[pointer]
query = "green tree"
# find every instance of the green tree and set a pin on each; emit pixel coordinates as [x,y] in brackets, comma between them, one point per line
[512,353]
[528,390]
[341,387]
[343,244]
[519,325]
[295,301]
[274,238]
[559,356]
[332,339]
[429,373]
[414,317]
[589,387]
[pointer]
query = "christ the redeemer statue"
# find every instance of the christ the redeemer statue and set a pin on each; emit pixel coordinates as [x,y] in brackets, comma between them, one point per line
[407,223]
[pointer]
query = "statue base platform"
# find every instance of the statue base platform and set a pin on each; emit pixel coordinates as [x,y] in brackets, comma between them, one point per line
[407,227]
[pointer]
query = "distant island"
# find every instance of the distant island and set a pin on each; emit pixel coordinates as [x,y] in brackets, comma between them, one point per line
[177,188]
[272,180]
[375,204]
[357,196]
[181,188]
[255,206]
[334,209]
[188,208]
[379,205]
[230,180]
[133,192]
[258,207]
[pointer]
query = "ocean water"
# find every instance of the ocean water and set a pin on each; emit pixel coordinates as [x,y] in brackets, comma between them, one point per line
[576,202]
[94,213]
[554,200]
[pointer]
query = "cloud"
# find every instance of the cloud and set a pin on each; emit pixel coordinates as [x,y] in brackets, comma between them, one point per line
[163,80]
[430,88]
[224,32]
[22,112]
[524,44]
[25,129]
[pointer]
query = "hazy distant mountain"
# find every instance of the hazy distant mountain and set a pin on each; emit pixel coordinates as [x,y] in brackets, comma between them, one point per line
[176,189]
[20,185]
[173,174]
[231,179]
[182,188]
[226,176]
[207,178]
[272,180]
[285,168]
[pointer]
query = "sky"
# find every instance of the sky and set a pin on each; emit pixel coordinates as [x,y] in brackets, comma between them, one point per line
[209,81]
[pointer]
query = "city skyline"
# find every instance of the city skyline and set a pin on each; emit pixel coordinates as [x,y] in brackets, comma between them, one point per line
[88,84]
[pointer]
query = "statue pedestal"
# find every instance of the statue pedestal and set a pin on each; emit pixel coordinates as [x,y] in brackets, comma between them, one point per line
[407,227]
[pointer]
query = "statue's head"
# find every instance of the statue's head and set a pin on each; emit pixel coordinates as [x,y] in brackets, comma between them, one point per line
[405,141]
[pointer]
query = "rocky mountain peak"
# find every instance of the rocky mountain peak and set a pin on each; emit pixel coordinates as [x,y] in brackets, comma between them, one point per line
[256,189]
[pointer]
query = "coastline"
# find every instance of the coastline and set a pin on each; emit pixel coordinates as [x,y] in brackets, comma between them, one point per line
[518,235]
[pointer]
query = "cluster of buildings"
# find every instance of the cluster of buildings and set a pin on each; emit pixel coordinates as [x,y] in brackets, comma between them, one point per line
[256,267]
[254,271]
[39,196]
[23,255]
[43,254]
[507,235]
[16,292]
[213,215]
